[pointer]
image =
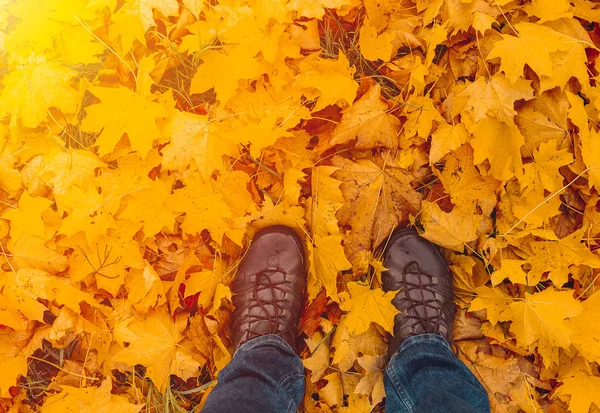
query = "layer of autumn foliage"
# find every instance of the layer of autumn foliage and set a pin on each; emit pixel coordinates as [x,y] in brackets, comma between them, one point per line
[144,142]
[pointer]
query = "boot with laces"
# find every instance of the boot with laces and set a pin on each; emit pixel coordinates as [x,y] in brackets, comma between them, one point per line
[416,268]
[268,288]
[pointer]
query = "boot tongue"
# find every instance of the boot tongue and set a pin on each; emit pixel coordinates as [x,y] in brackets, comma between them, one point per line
[269,285]
[422,307]
[267,293]
[262,327]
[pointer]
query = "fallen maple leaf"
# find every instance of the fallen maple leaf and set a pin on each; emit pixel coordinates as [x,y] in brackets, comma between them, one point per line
[123,111]
[584,391]
[366,306]
[154,342]
[368,122]
[90,399]
[378,196]
[28,95]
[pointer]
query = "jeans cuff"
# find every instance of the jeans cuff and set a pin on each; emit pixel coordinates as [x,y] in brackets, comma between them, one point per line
[268,339]
[422,338]
[274,341]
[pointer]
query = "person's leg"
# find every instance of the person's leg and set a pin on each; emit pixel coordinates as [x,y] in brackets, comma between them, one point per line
[265,375]
[425,376]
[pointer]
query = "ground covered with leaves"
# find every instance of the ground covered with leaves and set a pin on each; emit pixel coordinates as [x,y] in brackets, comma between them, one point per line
[144,142]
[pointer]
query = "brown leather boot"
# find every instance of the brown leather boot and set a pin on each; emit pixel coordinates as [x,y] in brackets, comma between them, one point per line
[416,268]
[269,287]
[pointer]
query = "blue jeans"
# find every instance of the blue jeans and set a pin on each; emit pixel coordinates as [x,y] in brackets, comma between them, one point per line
[423,376]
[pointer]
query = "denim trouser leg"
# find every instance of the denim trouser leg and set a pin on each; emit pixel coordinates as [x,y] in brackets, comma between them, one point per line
[425,376]
[264,376]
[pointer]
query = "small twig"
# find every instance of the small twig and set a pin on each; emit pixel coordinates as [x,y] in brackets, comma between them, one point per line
[325,337]
[102,262]
[196,389]
[263,166]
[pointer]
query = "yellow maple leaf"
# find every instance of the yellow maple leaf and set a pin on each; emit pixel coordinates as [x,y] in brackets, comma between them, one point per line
[372,383]
[533,208]
[315,8]
[368,122]
[85,209]
[467,187]
[570,63]
[235,65]
[540,319]
[327,260]
[204,282]
[194,6]
[494,97]
[318,361]
[291,185]
[469,274]
[333,392]
[108,258]
[78,46]
[584,391]
[41,22]
[421,117]
[511,269]
[348,347]
[365,306]
[374,45]
[500,143]
[586,329]
[589,150]
[28,96]
[357,403]
[36,31]
[14,362]
[551,10]
[452,229]
[544,170]
[493,300]
[329,80]
[326,201]
[557,256]
[193,142]
[378,197]
[66,169]
[543,118]
[128,28]
[222,299]
[148,205]
[533,46]
[130,176]
[446,138]
[10,315]
[187,261]
[143,9]
[29,251]
[495,373]
[28,218]
[120,112]
[146,289]
[279,214]
[24,287]
[155,343]
[204,208]
[259,131]
[90,400]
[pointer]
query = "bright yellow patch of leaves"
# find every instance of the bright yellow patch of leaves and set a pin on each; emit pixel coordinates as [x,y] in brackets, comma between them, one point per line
[144,142]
